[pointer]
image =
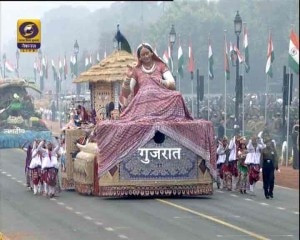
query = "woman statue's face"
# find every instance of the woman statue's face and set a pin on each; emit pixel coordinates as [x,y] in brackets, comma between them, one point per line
[146,55]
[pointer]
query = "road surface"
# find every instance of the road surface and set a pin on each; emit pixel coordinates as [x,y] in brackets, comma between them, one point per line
[70,216]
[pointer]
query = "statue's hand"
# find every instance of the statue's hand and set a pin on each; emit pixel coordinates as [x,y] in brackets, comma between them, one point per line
[129,71]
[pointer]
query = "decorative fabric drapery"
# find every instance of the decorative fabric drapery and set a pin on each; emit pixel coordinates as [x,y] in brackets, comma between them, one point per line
[153,108]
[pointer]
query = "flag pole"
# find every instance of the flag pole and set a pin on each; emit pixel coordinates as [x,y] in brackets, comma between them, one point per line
[266,98]
[243,101]
[208,81]
[179,79]
[288,114]
[1,40]
[267,81]
[192,94]
[191,70]
[243,89]
[225,79]
[288,119]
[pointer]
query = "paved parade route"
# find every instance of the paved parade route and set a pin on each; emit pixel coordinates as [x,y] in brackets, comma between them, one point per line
[225,215]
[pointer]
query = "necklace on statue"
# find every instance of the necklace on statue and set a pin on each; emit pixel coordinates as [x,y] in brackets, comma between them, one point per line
[149,69]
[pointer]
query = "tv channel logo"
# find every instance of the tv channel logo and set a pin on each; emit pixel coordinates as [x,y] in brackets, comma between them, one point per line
[29,35]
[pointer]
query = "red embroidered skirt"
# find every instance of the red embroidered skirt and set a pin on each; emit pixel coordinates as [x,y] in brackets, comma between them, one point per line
[49,176]
[36,175]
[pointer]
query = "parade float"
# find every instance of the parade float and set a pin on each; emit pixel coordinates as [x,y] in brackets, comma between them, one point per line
[164,161]
[104,81]
[19,121]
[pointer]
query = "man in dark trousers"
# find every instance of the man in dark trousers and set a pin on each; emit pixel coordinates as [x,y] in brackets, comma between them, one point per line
[268,164]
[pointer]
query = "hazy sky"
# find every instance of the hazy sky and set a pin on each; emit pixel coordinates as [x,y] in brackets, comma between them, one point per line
[11,11]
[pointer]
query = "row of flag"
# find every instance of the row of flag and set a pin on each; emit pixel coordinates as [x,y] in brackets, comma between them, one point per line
[8,67]
[60,69]
[233,53]
[293,54]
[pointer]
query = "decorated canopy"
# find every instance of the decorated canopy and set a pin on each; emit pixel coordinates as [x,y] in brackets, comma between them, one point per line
[110,69]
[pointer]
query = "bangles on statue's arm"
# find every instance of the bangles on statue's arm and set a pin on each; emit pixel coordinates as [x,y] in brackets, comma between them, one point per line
[168,80]
[128,86]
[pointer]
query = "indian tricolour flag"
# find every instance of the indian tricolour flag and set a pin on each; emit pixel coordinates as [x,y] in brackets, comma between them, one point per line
[9,67]
[180,61]
[271,57]
[247,66]
[166,57]
[210,61]
[98,57]
[191,65]
[239,54]
[294,52]
[226,60]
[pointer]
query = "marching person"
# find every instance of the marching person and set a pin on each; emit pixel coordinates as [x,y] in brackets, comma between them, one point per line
[49,168]
[28,158]
[242,167]
[231,170]
[35,167]
[254,147]
[61,158]
[221,158]
[268,164]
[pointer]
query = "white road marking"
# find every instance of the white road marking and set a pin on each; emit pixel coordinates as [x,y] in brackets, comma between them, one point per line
[122,236]
[264,204]
[281,208]
[297,213]
[13,178]
[248,199]
[60,203]
[287,235]
[8,175]
[3,172]
[24,184]
[285,187]
[19,181]
[233,195]
[88,218]
[78,213]
[109,229]
[224,236]
[98,223]
[176,217]
[219,191]
[69,208]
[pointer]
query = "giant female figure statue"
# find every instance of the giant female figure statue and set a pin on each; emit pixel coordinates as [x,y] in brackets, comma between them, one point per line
[149,104]
[151,83]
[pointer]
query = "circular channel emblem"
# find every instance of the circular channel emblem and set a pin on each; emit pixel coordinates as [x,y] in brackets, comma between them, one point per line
[28,30]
